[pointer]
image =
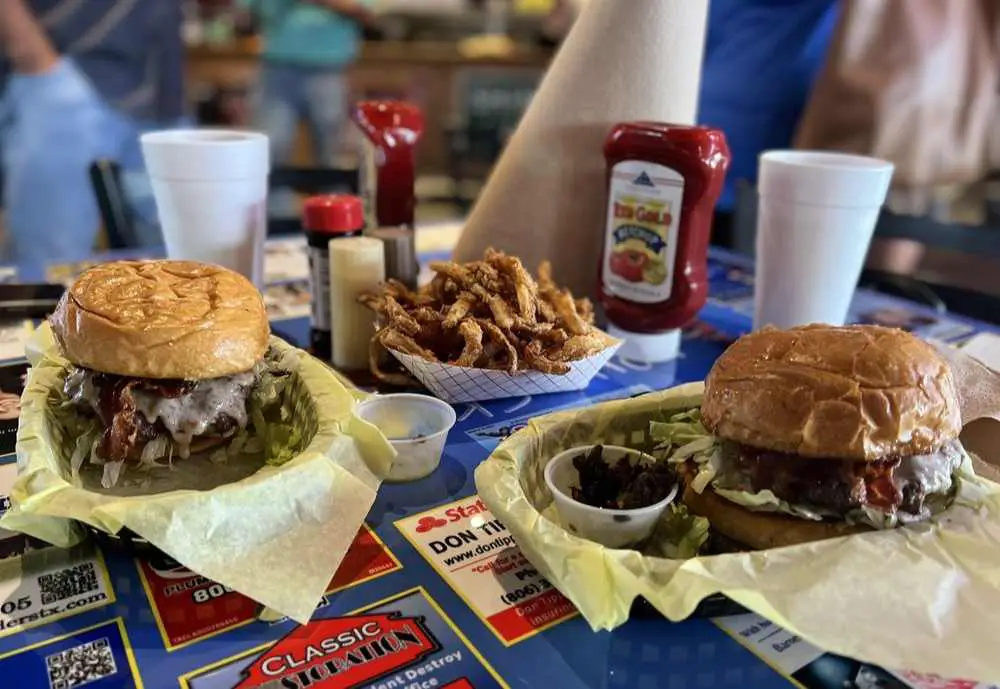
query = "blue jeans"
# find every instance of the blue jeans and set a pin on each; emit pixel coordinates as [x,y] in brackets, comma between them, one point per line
[52,127]
[289,94]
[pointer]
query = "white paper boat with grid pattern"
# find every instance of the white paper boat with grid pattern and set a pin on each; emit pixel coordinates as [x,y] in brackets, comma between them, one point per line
[456,384]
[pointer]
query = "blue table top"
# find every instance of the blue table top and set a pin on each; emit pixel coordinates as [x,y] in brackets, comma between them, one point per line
[113,619]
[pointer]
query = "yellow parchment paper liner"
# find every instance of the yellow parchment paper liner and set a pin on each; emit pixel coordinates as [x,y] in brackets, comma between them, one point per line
[923,598]
[276,536]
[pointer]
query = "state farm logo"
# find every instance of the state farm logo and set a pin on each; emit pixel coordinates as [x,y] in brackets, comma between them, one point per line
[453,514]
[429,524]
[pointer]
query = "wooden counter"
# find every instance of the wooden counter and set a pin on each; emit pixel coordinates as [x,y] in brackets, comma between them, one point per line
[380,52]
[431,74]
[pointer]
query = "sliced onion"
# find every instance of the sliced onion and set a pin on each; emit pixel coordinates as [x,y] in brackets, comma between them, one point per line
[81,452]
[155,449]
[94,457]
[112,471]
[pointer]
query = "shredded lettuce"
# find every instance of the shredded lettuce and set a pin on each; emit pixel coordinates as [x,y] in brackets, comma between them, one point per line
[679,535]
[681,429]
[85,444]
[683,438]
[278,437]
[700,449]
[273,377]
[271,431]
[766,501]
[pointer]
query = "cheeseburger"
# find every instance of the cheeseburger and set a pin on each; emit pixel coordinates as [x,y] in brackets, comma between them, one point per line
[164,354]
[824,431]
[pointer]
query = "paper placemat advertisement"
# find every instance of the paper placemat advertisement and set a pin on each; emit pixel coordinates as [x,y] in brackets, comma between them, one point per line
[920,597]
[307,508]
[43,586]
[474,553]
[100,653]
[809,667]
[188,607]
[405,641]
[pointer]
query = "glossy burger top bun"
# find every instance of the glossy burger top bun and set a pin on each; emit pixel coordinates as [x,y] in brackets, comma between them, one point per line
[857,392]
[162,319]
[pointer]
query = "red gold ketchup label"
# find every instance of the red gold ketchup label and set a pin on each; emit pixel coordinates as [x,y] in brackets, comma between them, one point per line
[641,232]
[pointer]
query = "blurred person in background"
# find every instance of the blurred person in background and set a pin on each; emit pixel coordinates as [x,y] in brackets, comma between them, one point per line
[762,58]
[308,46]
[81,80]
[916,83]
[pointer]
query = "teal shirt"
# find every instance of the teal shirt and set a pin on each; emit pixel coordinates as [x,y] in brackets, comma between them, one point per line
[301,33]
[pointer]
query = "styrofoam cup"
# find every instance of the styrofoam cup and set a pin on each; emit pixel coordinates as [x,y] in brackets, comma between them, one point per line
[816,215]
[611,528]
[211,195]
[416,426]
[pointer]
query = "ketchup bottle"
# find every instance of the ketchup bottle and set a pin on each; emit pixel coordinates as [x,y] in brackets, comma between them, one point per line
[663,183]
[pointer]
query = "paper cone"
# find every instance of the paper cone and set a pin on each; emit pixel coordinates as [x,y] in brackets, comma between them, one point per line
[623,60]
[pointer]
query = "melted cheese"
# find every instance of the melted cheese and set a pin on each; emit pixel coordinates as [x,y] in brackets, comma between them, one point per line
[192,414]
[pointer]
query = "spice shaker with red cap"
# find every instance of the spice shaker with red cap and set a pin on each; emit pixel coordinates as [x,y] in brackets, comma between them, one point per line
[327,218]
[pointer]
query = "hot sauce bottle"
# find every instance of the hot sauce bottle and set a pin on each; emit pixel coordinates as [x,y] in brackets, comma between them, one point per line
[663,183]
[388,171]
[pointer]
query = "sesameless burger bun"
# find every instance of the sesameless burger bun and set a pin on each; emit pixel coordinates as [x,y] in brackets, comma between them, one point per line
[825,431]
[861,392]
[164,354]
[162,319]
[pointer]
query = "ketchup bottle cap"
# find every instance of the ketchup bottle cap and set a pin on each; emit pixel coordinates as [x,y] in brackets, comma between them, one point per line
[333,214]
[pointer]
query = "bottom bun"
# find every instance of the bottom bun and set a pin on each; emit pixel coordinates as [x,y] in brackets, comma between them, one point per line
[761,530]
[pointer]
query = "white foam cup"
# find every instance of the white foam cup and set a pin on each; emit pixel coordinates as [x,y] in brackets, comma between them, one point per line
[816,215]
[210,187]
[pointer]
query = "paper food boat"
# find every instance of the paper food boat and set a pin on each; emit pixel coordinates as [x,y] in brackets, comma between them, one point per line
[455,384]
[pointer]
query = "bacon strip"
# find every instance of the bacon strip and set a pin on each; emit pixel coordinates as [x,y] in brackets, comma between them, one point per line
[123,406]
[121,420]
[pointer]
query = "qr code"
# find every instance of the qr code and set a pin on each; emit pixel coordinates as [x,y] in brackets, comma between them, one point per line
[77,666]
[68,583]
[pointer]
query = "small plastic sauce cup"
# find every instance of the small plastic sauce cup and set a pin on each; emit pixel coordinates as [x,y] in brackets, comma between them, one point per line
[416,426]
[609,527]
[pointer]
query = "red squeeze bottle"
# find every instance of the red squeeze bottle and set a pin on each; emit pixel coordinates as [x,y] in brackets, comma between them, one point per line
[388,173]
[663,183]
